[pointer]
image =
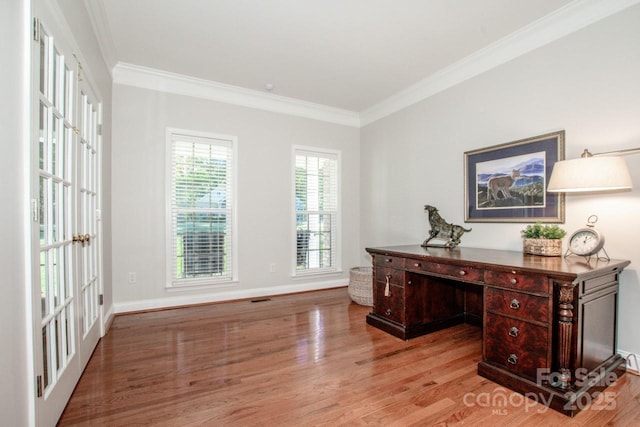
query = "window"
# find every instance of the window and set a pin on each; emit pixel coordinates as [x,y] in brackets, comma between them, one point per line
[316,210]
[202,210]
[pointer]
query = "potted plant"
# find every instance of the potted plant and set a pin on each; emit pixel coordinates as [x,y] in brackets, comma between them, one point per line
[543,240]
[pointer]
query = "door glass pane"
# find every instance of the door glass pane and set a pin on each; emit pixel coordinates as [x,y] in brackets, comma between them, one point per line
[66,213]
[54,78]
[68,141]
[62,271]
[55,279]
[43,63]
[85,309]
[67,272]
[42,146]
[45,359]
[44,296]
[68,93]
[59,79]
[62,211]
[62,151]
[63,336]
[54,211]
[54,146]
[68,334]
[83,115]
[81,210]
[58,141]
[85,264]
[43,199]
[56,348]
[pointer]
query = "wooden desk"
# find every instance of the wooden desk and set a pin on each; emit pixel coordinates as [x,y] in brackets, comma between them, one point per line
[549,323]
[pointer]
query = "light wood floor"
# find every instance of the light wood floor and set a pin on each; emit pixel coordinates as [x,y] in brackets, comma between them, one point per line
[302,360]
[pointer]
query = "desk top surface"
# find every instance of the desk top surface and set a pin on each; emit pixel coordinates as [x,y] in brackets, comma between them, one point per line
[571,267]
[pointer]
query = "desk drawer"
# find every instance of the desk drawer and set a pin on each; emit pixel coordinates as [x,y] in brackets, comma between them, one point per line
[389,261]
[518,304]
[395,277]
[523,353]
[514,280]
[527,337]
[458,272]
[389,306]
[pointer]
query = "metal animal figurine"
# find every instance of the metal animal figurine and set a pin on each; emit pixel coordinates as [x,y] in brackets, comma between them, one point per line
[440,229]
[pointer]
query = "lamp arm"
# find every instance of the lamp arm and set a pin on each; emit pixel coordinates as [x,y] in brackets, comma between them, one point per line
[586,152]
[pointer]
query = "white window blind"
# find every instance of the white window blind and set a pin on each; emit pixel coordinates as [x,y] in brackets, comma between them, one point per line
[316,211]
[202,204]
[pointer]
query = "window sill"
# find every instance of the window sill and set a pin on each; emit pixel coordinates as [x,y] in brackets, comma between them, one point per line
[321,273]
[197,285]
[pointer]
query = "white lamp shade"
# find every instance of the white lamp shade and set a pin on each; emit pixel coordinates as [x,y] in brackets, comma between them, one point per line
[597,173]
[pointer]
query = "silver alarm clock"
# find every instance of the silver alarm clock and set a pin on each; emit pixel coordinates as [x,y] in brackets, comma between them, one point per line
[587,241]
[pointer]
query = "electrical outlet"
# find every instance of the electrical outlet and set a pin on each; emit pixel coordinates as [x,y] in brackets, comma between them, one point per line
[132,278]
[272,267]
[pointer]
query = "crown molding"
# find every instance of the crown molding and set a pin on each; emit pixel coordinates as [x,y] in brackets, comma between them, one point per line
[566,20]
[100,24]
[571,18]
[163,81]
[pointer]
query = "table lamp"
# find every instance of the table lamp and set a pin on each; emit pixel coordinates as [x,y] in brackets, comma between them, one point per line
[592,172]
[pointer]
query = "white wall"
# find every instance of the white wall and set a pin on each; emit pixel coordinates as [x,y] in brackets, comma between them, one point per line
[265,140]
[15,370]
[587,83]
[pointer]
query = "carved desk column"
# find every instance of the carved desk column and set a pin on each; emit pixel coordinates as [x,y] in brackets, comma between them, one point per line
[565,333]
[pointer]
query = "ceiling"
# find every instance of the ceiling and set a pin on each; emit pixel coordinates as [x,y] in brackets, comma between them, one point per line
[347,54]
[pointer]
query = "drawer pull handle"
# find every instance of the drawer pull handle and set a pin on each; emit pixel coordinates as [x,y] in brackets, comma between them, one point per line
[513,281]
[389,259]
[512,359]
[388,312]
[515,304]
[417,265]
[387,291]
[513,332]
[462,272]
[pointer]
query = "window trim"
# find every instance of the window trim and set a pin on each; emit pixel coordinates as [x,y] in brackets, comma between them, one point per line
[337,268]
[199,283]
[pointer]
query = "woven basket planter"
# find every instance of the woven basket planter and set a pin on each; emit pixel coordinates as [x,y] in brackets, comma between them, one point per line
[360,285]
[544,247]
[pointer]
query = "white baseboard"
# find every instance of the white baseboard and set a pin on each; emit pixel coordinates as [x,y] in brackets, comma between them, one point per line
[633,360]
[227,295]
[107,318]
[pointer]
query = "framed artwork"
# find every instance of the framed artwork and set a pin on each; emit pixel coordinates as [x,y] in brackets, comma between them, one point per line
[508,182]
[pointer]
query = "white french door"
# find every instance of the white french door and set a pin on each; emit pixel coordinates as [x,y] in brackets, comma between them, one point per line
[89,115]
[65,163]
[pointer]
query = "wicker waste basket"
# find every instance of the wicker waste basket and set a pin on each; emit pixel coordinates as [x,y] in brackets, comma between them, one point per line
[360,286]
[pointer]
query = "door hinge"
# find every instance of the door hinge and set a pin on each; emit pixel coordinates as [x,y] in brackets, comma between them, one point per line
[36,30]
[99,129]
[101,299]
[39,386]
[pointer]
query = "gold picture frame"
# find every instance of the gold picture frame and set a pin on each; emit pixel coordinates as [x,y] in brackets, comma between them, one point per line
[508,182]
